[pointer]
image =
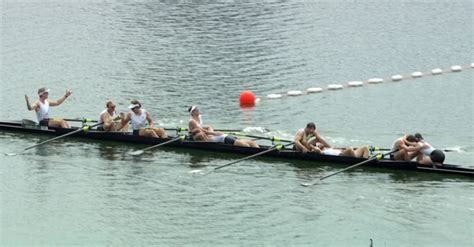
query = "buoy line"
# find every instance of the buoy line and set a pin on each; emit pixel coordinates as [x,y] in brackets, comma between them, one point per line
[248,98]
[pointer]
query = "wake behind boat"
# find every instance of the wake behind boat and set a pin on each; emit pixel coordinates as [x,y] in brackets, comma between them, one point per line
[283,153]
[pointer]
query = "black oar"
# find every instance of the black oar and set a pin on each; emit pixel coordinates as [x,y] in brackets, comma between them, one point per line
[273,148]
[375,157]
[139,152]
[180,129]
[85,129]
[84,120]
[273,138]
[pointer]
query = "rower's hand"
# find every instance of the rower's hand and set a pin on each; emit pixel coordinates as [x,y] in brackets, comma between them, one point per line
[305,150]
[68,93]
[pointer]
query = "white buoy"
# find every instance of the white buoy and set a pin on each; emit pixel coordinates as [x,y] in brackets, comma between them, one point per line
[375,80]
[355,84]
[294,93]
[334,86]
[314,90]
[456,68]
[257,100]
[397,78]
[416,74]
[437,71]
[274,96]
[472,65]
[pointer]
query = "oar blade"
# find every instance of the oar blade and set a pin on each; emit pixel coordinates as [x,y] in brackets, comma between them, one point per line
[137,153]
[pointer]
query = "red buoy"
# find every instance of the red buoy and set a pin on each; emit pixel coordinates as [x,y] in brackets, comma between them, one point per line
[247,98]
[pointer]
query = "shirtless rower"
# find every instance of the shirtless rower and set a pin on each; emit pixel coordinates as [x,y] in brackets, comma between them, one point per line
[207,133]
[109,117]
[139,118]
[427,154]
[406,146]
[41,107]
[306,139]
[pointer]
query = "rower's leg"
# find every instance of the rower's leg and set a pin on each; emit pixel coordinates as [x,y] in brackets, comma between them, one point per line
[147,132]
[362,152]
[160,132]
[425,161]
[241,143]
[400,155]
[349,152]
[252,143]
[122,128]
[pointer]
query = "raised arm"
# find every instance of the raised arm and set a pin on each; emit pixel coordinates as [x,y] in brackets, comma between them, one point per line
[30,107]
[60,100]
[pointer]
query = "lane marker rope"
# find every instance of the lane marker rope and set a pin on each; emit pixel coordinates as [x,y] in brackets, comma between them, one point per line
[353,84]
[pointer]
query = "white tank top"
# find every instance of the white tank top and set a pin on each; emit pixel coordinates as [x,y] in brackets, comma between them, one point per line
[105,111]
[428,149]
[330,151]
[43,110]
[138,121]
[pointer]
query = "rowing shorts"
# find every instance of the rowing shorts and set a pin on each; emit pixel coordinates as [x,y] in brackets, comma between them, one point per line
[44,122]
[437,156]
[136,132]
[229,140]
[100,128]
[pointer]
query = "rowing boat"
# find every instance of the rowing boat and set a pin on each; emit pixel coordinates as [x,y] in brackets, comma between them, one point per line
[285,153]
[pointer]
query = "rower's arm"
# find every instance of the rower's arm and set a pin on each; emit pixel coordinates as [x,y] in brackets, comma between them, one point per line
[321,139]
[126,119]
[28,106]
[149,119]
[298,143]
[60,100]
[194,128]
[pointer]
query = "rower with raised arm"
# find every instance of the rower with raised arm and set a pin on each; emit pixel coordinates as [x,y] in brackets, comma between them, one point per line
[109,117]
[406,146]
[139,118]
[199,132]
[42,107]
[306,139]
[427,154]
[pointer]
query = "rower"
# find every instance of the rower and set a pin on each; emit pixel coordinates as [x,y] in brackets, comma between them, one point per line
[360,152]
[109,117]
[306,139]
[41,107]
[427,154]
[406,146]
[199,132]
[139,118]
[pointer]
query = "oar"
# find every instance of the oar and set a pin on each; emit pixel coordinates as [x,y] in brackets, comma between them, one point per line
[375,157]
[84,120]
[275,147]
[85,129]
[273,138]
[181,129]
[374,148]
[139,152]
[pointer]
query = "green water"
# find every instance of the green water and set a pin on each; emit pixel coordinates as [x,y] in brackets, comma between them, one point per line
[172,55]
